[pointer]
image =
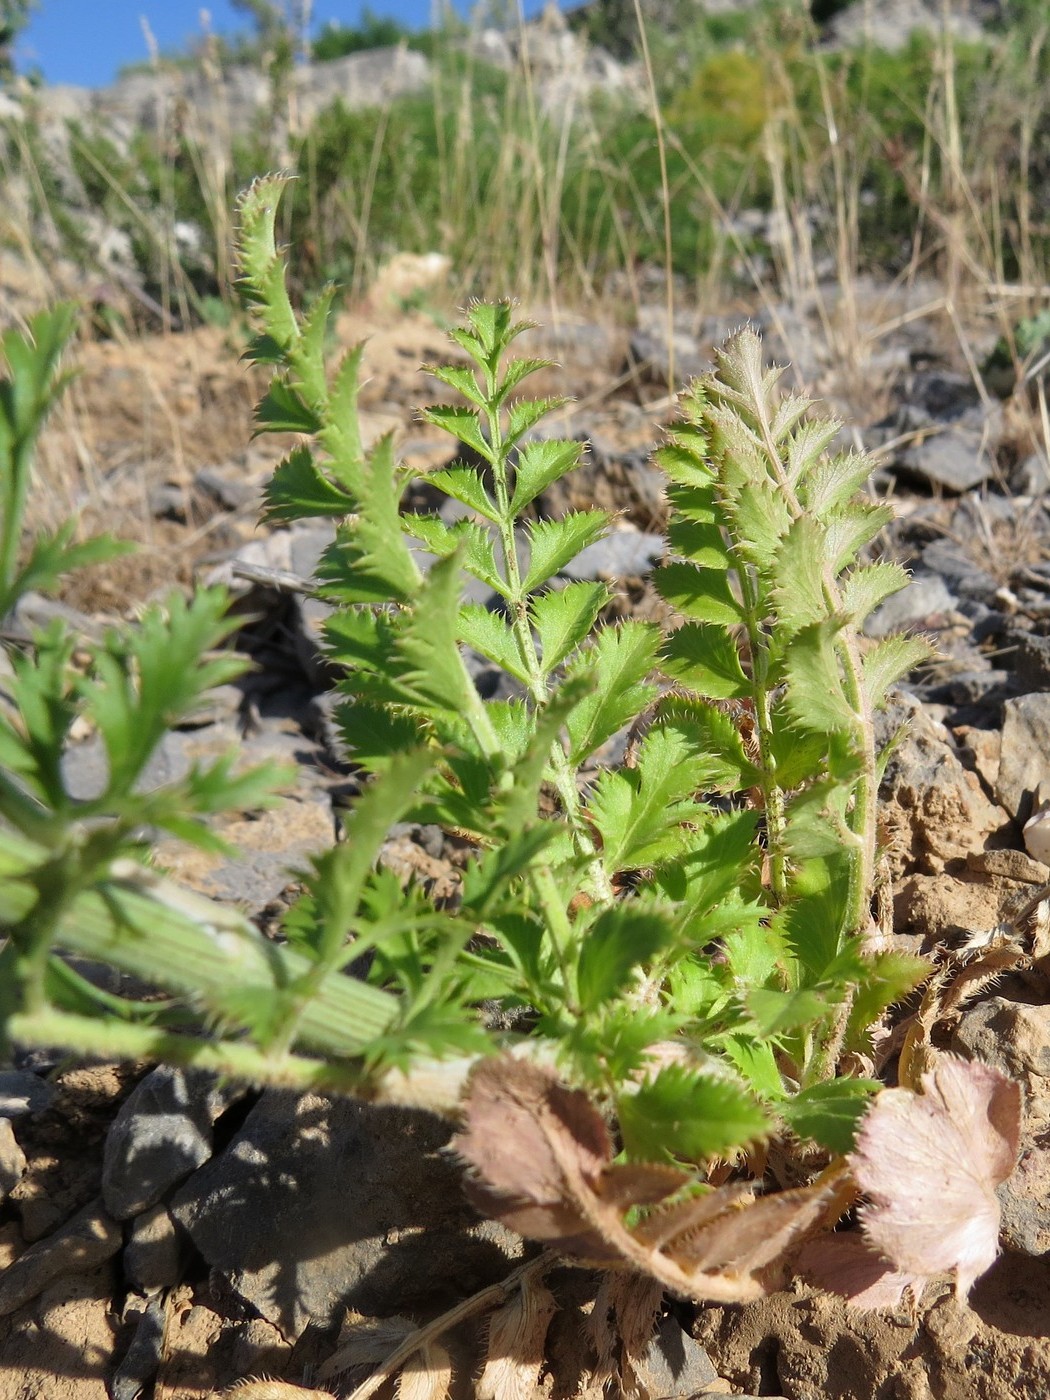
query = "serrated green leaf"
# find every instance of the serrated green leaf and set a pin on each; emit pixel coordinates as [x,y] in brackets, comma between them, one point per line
[722,860]
[460,423]
[815,699]
[538,465]
[816,820]
[638,811]
[341,433]
[723,764]
[563,618]
[699,541]
[761,519]
[834,481]
[704,595]
[489,634]
[464,484]
[299,489]
[282,410]
[829,1113]
[434,671]
[689,1116]
[620,659]
[553,543]
[887,978]
[517,370]
[620,939]
[705,659]
[807,443]
[799,596]
[460,378]
[525,414]
[888,660]
[756,1061]
[777,1012]
[865,588]
[849,528]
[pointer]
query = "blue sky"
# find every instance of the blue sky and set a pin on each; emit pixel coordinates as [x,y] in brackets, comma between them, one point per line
[87,41]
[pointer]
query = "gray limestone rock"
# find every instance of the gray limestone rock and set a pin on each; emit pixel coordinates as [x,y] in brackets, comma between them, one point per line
[23,1092]
[318,1205]
[161,1134]
[1024,761]
[155,1252]
[12,1160]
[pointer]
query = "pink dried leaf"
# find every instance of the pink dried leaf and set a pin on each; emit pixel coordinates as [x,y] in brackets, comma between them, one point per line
[930,1163]
[847,1265]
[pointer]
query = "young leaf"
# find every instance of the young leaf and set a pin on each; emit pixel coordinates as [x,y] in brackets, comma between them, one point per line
[829,1113]
[705,659]
[464,484]
[815,695]
[298,489]
[890,659]
[620,658]
[489,634]
[702,594]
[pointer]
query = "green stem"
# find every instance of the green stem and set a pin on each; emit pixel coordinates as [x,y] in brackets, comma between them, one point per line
[772,792]
[559,929]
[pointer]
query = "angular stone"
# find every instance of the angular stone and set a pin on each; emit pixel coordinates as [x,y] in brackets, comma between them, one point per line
[622,554]
[1012,1036]
[161,1134]
[23,1092]
[12,1159]
[154,1254]
[1024,761]
[319,1204]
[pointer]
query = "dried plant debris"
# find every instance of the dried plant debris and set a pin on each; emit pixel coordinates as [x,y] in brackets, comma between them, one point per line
[541,1162]
[929,1165]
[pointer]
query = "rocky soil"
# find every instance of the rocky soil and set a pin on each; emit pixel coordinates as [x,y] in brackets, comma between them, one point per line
[165,1235]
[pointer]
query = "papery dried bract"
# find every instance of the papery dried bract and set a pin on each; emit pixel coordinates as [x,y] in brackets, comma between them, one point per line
[541,1160]
[427,1375]
[930,1164]
[847,1265]
[516,1335]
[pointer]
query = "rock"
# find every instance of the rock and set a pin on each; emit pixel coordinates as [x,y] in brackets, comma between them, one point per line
[957,457]
[319,1205]
[155,1253]
[87,1240]
[1032,661]
[229,489]
[22,1092]
[141,1361]
[1032,476]
[955,566]
[889,24]
[1024,760]
[924,598]
[939,807]
[1013,1036]
[621,554]
[161,1134]
[674,1364]
[12,1160]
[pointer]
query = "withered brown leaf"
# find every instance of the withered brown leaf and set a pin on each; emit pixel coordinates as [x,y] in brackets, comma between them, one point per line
[540,1160]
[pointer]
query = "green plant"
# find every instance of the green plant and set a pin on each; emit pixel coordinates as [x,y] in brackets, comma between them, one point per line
[659,905]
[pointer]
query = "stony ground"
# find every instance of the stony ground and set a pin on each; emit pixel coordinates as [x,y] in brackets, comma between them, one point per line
[164,1236]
